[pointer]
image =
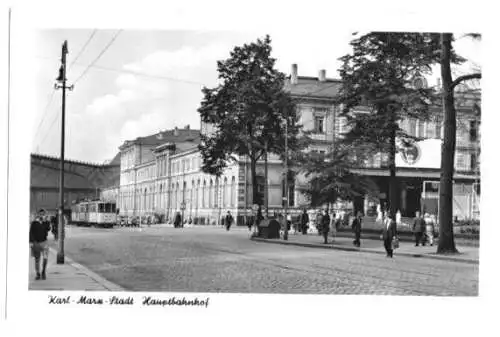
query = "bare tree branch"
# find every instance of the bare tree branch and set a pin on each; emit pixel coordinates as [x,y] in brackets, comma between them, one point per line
[464,78]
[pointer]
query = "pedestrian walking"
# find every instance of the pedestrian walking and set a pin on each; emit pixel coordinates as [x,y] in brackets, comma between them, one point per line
[325,226]
[229,220]
[177,220]
[319,221]
[304,221]
[419,229]
[258,218]
[356,229]
[39,230]
[429,228]
[389,234]
[332,226]
[54,226]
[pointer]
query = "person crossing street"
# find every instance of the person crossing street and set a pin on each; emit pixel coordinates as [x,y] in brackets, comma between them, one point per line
[229,220]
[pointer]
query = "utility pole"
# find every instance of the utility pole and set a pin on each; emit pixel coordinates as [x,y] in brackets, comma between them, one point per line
[62,85]
[266,187]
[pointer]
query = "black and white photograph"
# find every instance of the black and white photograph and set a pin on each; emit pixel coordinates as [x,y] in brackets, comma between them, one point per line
[172,166]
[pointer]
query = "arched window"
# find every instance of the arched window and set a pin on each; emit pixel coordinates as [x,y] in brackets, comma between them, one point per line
[233,188]
[165,191]
[204,195]
[225,195]
[192,194]
[161,197]
[198,195]
[211,195]
[176,192]
[184,192]
[144,203]
[216,192]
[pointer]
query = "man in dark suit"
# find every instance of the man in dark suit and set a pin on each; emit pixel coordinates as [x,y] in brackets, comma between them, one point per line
[419,229]
[304,220]
[389,232]
[229,220]
[325,226]
[356,228]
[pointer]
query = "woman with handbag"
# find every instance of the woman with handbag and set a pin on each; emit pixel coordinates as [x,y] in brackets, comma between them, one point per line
[389,234]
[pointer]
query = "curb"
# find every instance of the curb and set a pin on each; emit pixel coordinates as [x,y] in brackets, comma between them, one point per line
[352,249]
[97,278]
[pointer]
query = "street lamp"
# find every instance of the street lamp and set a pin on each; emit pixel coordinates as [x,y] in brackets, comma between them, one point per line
[285,234]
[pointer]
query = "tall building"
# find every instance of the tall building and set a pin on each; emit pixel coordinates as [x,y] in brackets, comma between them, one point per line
[418,168]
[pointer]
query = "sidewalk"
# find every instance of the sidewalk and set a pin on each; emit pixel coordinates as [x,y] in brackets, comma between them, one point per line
[70,276]
[467,254]
[165,225]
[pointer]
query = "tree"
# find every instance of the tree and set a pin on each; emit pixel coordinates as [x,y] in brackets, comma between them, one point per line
[446,238]
[379,90]
[247,110]
[332,179]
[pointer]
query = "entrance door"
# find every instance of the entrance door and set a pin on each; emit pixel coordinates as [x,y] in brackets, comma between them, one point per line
[413,194]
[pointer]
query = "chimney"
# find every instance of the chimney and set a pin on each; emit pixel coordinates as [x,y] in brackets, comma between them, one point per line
[176,131]
[322,75]
[294,76]
[187,127]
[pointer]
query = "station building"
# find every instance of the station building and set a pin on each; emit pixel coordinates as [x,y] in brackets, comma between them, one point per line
[161,173]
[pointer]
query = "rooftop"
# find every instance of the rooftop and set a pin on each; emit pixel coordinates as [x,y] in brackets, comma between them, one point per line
[168,136]
[312,87]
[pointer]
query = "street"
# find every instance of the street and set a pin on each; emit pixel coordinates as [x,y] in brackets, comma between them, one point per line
[163,259]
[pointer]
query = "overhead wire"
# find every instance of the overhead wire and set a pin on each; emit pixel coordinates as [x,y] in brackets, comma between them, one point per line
[137,73]
[54,89]
[82,49]
[45,112]
[49,129]
[98,57]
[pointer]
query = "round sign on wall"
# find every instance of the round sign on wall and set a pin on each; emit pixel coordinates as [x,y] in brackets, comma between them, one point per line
[410,153]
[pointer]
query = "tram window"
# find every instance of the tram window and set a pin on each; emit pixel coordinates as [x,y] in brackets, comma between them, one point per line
[102,208]
[113,208]
[108,208]
[92,208]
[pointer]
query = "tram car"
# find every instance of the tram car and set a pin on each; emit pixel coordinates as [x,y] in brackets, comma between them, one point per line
[94,213]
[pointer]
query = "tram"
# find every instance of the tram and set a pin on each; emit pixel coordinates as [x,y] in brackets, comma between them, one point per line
[94,213]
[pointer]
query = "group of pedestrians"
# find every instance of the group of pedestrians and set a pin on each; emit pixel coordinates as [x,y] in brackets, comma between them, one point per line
[423,229]
[326,223]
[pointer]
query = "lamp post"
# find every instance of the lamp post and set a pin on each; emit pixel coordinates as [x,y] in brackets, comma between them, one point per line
[285,233]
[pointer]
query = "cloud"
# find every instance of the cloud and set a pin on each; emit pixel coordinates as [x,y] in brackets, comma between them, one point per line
[180,61]
[142,105]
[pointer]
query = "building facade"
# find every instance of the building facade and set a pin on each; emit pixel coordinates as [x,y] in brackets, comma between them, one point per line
[161,174]
[81,181]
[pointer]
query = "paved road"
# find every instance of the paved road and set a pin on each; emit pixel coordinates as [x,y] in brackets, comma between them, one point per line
[213,260]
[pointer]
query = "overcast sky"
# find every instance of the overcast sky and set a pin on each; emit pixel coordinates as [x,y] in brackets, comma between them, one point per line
[108,107]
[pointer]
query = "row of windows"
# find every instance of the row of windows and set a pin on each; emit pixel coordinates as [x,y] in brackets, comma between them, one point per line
[186,165]
[417,128]
[146,173]
[199,196]
[127,159]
